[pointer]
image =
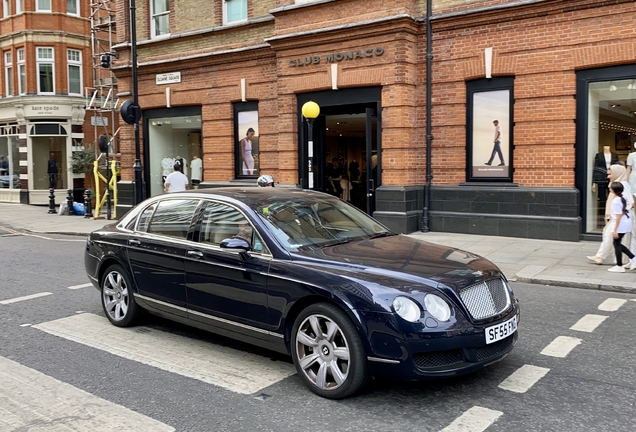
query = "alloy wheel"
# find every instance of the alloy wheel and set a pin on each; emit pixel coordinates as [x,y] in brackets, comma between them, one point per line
[115,296]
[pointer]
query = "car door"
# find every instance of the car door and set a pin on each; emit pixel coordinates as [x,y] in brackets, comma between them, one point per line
[157,250]
[226,288]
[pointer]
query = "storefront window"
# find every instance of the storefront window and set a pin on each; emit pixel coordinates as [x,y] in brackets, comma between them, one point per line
[171,140]
[246,136]
[45,149]
[9,161]
[611,136]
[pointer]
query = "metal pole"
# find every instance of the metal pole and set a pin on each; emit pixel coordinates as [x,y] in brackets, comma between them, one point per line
[310,152]
[429,124]
[137,168]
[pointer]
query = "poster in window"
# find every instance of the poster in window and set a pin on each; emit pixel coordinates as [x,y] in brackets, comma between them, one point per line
[248,151]
[490,124]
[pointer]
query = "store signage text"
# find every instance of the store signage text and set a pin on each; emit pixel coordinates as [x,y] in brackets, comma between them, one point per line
[168,78]
[337,57]
[44,109]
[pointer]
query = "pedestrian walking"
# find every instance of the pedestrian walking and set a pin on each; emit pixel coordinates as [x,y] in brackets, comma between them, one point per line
[176,181]
[621,225]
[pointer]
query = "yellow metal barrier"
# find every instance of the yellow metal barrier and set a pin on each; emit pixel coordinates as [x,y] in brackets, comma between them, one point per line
[112,185]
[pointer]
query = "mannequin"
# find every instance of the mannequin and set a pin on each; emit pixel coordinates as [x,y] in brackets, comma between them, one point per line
[195,171]
[631,169]
[354,170]
[167,164]
[602,162]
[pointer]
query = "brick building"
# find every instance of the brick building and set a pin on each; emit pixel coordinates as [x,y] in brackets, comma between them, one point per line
[45,49]
[559,78]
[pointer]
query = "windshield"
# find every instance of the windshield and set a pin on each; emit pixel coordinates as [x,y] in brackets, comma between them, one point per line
[317,222]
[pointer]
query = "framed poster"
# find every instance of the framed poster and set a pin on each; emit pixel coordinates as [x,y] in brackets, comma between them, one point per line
[247,154]
[489,130]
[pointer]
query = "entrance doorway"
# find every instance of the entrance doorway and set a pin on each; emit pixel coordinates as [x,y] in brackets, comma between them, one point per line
[346,146]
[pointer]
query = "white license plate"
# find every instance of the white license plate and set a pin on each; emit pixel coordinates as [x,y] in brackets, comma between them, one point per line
[501,331]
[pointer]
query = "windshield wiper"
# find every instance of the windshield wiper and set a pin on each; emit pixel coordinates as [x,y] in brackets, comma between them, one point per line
[334,243]
[382,234]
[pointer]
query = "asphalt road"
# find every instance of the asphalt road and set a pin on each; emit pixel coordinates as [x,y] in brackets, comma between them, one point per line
[589,385]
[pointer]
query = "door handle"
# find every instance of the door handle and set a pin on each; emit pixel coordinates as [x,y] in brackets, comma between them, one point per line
[195,254]
[134,242]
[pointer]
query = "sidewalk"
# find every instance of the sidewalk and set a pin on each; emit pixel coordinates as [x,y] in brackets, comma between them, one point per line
[544,262]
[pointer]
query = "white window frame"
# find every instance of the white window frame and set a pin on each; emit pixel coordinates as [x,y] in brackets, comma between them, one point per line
[43,9]
[18,6]
[42,61]
[77,7]
[6,9]
[225,17]
[153,20]
[8,73]
[71,62]
[21,71]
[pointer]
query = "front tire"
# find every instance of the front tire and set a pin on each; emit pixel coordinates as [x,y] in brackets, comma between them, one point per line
[328,352]
[117,297]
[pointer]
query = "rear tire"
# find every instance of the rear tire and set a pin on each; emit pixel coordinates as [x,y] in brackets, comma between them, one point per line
[328,352]
[117,297]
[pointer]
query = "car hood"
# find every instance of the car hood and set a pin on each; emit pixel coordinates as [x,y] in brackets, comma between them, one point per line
[402,262]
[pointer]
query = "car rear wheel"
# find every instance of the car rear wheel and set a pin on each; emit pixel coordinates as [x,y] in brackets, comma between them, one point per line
[327,352]
[117,297]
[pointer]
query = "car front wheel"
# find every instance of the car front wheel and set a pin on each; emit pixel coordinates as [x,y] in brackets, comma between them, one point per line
[327,352]
[117,297]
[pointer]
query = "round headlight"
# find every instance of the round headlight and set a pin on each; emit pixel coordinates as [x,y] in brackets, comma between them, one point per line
[407,309]
[436,306]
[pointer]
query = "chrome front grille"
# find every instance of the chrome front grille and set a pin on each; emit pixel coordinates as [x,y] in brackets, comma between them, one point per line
[486,299]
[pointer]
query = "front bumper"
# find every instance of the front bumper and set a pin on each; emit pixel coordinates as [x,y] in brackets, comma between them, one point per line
[434,353]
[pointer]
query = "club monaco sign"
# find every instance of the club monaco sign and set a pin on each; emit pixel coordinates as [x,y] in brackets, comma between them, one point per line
[337,57]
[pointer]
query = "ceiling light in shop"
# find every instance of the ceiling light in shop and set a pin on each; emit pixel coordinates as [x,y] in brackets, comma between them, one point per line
[612,87]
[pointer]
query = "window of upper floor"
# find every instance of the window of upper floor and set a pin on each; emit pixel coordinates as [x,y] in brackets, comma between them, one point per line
[21,71]
[74,64]
[72,7]
[6,9]
[8,73]
[160,17]
[234,11]
[43,6]
[18,6]
[45,70]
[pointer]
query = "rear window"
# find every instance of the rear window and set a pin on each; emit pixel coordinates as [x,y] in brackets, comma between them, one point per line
[172,217]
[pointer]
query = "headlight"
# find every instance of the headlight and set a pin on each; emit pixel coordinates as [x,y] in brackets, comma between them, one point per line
[436,306]
[407,309]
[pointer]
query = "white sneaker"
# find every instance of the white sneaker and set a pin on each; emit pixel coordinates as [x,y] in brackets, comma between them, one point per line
[595,259]
[618,269]
[632,265]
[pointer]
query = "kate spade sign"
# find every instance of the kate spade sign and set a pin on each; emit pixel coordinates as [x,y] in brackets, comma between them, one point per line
[337,57]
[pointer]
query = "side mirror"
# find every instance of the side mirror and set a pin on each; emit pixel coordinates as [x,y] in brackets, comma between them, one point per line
[236,243]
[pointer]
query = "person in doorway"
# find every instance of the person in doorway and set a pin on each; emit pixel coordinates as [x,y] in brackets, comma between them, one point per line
[247,160]
[496,150]
[177,181]
[334,174]
[52,171]
[354,170]
[4,165]
[621,224]
[616,173]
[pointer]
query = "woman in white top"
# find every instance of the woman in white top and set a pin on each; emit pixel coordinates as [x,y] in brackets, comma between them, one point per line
[616,173]
[621,225]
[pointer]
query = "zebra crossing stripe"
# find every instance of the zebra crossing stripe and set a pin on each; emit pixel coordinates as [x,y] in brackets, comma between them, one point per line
[523,378]
[29,297]
[611,304]
[588,323]
[225,367]
[31,400]
[561,346]
[476,419]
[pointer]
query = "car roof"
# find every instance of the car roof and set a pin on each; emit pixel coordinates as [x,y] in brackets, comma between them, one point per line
[254,196]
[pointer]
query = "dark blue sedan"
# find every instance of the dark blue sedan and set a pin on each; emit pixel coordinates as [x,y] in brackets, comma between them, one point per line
[307,274]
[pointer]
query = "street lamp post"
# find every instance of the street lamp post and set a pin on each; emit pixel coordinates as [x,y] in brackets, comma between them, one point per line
[310,111]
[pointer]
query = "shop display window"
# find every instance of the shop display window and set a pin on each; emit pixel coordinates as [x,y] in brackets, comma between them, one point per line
[9,162]
[247,154]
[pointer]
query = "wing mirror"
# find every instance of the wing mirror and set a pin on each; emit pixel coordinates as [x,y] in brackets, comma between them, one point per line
[236,243]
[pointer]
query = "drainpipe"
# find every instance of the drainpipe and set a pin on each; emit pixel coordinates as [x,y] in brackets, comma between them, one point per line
[429,127]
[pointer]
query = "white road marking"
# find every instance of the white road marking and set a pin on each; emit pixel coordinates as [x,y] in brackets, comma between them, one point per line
[86,285]
[611,304]
[476,419]
[31,400]
[589,323]
[561,346]
[26,325]
[29,297]
[523,378]
[213,364]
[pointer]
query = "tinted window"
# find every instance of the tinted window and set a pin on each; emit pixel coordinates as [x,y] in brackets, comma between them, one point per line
[145,218]
[172,217]
[221,221]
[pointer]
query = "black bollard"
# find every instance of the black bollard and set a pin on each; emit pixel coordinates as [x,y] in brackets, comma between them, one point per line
[69,200]
[52,201]
[87,204]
